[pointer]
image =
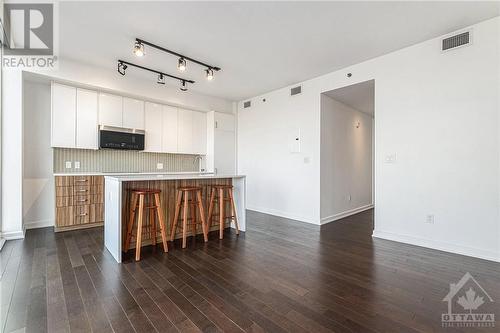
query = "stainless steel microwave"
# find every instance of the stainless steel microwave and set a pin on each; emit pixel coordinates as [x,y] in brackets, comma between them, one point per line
[121,138]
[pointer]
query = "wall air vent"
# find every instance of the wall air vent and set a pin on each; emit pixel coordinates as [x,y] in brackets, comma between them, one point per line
[452,42]
[247,104]
[295,90]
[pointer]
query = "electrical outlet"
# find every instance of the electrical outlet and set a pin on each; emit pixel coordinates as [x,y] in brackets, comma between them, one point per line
[159,166]
[429,219]
[77,164]
[68,164]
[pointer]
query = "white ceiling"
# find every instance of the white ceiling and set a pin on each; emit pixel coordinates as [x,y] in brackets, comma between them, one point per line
[359,96]
[260,46]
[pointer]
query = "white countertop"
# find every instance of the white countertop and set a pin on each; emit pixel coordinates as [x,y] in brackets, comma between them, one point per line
[90,173]
[163,176]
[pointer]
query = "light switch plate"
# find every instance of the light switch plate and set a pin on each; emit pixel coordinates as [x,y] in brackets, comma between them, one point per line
[68,164]
[77,164]
[159,166]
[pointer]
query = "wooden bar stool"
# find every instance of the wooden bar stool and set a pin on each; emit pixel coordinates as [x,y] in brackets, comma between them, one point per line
[183,199]
[217,195]
[142,200]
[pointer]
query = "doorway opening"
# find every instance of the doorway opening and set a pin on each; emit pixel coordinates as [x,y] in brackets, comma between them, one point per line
[347,150]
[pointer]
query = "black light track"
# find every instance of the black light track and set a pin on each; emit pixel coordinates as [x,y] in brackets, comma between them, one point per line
[215,68]
[123,62]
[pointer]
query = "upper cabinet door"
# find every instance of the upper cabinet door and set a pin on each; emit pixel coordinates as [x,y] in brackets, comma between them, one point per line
[153,125]
[224,121]
[86,119]
[63,116]
[185,131]
[110,110]
[133,113]
[169,132]
[199,140]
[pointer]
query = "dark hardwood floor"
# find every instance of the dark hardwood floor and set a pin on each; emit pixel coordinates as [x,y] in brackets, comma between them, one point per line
[281,276]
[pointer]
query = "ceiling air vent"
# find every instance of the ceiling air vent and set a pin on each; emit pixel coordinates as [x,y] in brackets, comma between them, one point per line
[247,104]
[455,41]
[295,90]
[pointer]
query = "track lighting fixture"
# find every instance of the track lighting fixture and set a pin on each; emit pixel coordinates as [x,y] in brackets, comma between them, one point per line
[161,79]
[210,74]
[181,64]
[123,65]
[139,48]
[183,86]
[121,68]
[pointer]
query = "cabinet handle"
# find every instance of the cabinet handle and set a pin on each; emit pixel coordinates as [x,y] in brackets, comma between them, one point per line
[82,180]
[83,214]
[82,190]
[82,200]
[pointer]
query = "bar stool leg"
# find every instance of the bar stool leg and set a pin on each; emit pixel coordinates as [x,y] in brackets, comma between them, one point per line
[194,220]
[184,220]
[131,222]
[221,213]
[176,214]
[161,222]
[202,215]
[152,221]
[139,228]
[211,207]
[233,209]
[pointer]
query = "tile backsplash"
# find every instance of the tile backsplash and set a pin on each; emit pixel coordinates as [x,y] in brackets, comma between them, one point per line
[121,161]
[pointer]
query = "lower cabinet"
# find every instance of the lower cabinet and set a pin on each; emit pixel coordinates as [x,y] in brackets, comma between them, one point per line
[79,202]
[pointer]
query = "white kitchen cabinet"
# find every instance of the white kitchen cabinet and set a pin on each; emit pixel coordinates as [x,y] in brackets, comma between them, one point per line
[110,110]
[63,116]
[224,121]
[133,113]
[169,129]
[153,123]
[221,143]
[199,133]
[192,132]
[224,151]
[185,131]
[86,119]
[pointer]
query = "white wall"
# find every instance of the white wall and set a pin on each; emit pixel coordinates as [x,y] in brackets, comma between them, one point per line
[38,181]
[12,142]
[81,74]
[346,160]
[438,112]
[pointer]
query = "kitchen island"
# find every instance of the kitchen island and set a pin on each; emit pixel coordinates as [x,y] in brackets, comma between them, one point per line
[116,200]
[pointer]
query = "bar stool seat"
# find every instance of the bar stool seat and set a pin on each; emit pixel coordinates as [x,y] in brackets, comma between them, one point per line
[145,200]
[183,200]
[217,195]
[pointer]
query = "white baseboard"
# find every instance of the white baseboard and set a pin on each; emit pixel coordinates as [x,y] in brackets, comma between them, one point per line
[438,245]
[2,242]
[346,213]
[38,224]
[282,214]
[10,235]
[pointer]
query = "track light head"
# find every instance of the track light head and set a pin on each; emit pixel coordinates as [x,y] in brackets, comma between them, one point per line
[121,68]
[209,74]
[161,79]
[183,86]
[139,49]
[181,64]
